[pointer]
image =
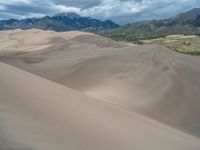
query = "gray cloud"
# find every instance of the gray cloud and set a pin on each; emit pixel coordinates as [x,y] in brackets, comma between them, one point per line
[78,3]
[121,11]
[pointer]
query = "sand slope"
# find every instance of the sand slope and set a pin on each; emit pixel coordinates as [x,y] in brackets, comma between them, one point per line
[38,114]
[24,40]
[151,80]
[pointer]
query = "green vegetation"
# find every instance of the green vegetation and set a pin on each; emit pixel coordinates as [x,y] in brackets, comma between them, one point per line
[158,31]
[149,30]
[188,44]
[139,33]
[179,43]
[127,39]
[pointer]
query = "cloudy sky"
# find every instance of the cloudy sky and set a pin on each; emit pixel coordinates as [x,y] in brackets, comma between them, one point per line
[121,11]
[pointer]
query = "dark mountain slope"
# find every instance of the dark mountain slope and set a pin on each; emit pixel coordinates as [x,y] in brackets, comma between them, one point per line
[185,18]
[187,23]
[59,22]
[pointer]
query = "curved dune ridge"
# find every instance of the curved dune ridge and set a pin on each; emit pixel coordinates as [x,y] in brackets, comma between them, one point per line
[61,118]
[125,82]
[34,39]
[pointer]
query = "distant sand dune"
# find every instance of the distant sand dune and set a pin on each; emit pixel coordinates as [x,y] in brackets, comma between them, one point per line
[148,80]
[19,40]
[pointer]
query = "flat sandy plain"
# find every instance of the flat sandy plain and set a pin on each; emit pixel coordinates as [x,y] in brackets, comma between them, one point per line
[80,91]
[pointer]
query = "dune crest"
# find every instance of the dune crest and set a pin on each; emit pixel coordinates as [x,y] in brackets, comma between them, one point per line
[42,115]
[33,39]
[125,82]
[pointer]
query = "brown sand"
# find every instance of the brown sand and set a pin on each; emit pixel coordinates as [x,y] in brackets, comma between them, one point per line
[150,80]
[24,40]
[37,114]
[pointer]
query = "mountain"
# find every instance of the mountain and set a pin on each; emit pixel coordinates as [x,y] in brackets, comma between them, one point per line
[187,23]
[69,15]
[189,17]
[59,22]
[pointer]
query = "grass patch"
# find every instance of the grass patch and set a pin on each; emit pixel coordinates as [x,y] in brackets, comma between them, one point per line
[179,43]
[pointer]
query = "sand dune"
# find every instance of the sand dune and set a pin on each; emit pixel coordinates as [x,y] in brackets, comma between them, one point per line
[147,80]
[34,39]
[18,40]
[150,79]
[38,114]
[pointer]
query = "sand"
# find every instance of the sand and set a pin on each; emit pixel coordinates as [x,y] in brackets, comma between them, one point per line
[127,87]
[38,114]
[24,40]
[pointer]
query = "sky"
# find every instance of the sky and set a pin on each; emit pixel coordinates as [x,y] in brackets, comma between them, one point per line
[120,11]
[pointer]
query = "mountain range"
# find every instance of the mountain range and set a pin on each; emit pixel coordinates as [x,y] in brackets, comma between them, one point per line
[60,22]
[187,23]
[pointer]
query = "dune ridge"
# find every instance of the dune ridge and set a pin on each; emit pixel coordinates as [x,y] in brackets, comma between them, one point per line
[145,80]
[43,115]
